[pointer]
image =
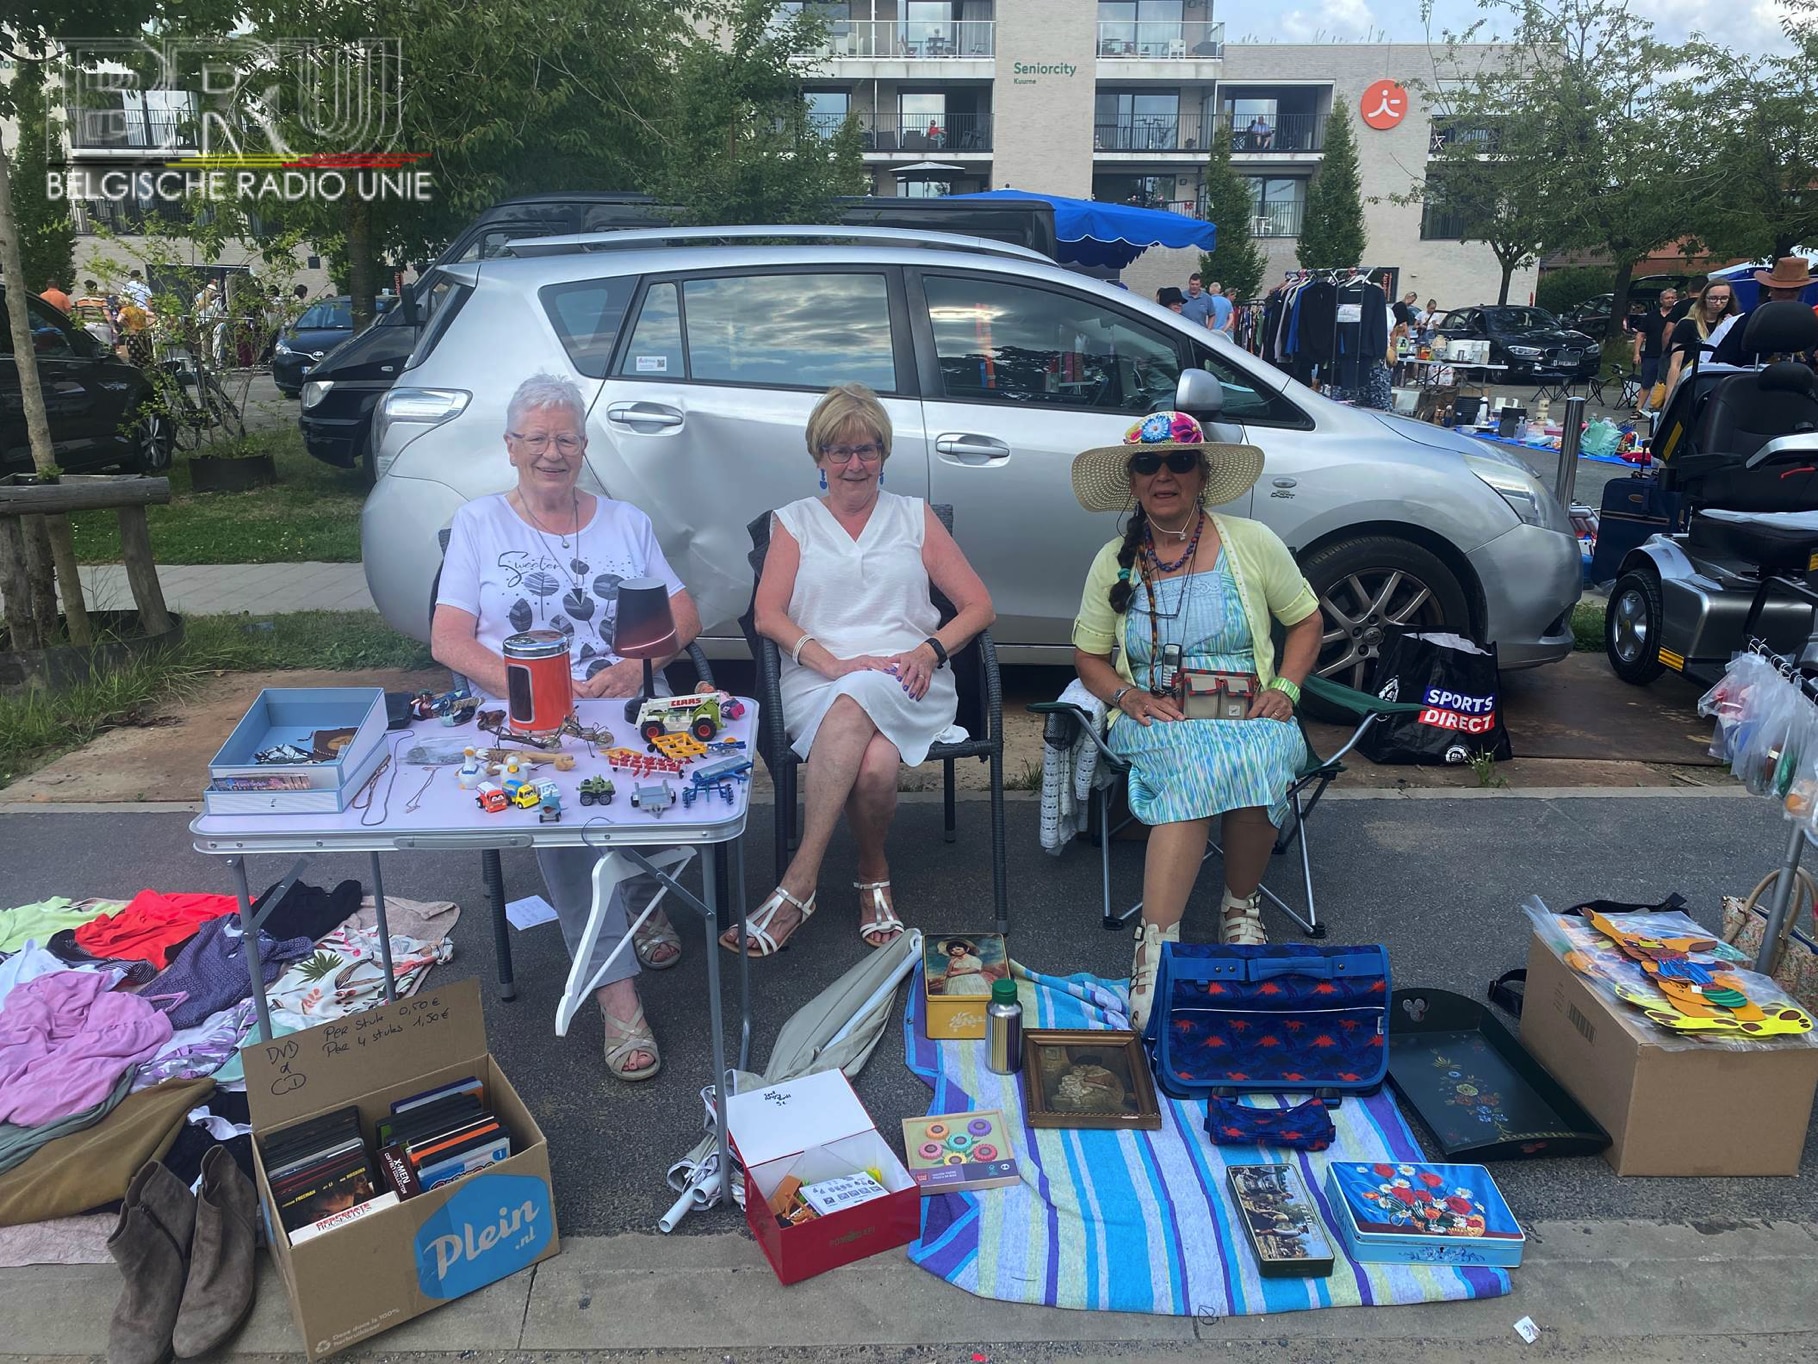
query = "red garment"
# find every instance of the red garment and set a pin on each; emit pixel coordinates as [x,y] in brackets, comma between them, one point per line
[152,926]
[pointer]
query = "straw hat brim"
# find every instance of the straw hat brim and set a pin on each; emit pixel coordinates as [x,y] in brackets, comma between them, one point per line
[1101,476]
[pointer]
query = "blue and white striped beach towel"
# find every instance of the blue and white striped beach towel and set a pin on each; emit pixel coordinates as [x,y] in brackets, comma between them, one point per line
[1139,1221]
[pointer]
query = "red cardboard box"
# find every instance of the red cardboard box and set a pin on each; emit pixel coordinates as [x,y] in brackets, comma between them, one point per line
[815,1128]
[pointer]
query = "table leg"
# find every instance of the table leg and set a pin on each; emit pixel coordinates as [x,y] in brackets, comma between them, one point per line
[250,936]
[494,875]
[738,889]
[378,905]
[710,911]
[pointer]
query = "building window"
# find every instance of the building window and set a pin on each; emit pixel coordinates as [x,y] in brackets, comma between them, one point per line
[1126,120]
[1440,222]
[923,118]
[1145,191]
[827,110]
[1277,205]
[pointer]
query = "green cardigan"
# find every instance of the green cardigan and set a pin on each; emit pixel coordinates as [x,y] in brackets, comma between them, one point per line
[1268,579]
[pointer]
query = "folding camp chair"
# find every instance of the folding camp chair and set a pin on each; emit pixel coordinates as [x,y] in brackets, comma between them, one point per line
[1066,721]
[981,711]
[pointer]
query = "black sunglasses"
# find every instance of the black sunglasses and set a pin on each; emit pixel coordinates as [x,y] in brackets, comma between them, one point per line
[1178,462]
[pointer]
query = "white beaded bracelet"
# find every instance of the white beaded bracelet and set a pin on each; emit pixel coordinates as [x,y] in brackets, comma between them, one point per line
[795,654]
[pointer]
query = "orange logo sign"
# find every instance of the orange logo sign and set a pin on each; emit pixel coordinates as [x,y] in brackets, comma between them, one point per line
[1384,105]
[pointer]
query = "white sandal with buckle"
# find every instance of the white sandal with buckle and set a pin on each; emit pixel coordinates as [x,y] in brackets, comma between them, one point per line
[1240,922]
[757,927]
[885,928]
[1147,961]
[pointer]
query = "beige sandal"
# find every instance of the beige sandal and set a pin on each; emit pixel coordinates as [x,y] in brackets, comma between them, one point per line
[759,941]
[652,936]
[885,928]
[1149,940]
[623,1040]
[1240,924]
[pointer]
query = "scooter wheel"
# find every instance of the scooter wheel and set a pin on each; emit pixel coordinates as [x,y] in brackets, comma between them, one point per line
[1631,628]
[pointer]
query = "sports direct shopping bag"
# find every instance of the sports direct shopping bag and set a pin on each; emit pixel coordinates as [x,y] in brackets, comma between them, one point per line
[1455,683]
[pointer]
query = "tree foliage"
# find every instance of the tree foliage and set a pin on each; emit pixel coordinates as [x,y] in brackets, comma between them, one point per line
[1332,229]
[47,236]
[1237,261]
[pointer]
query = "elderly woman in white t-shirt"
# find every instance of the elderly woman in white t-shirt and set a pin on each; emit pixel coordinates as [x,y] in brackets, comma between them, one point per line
[550,555]
[865,682]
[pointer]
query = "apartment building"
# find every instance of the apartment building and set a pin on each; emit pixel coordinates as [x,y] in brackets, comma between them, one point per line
[1120,100]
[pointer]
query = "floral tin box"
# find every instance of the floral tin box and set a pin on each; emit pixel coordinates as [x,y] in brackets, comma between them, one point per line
[1407,1213]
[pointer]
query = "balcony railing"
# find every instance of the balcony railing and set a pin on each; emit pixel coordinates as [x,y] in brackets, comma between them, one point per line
[1155,134]
[1277,136]
[905,40]
[1161,41]
[888,132]
[1278,220]
[129,130]
[1485,141]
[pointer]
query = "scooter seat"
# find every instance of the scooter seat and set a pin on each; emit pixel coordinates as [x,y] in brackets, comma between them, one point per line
[1778,542]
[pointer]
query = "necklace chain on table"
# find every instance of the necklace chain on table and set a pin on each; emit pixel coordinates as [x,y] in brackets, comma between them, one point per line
[416,797]
[362,800]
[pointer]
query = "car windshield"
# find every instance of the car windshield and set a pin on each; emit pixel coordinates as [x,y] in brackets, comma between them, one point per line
[1522,319]
[330,314]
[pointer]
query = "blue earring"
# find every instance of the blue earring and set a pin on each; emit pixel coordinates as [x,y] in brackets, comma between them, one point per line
[880,478]
[823,480]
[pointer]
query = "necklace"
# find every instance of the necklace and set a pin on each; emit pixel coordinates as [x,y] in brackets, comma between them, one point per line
[567,560]
[574,500]
[1155,560]
[1161,677]
[1180,534]
[416,799]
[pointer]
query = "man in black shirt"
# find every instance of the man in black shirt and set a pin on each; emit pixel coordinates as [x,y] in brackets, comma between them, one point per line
[1649,330]
[1693,292]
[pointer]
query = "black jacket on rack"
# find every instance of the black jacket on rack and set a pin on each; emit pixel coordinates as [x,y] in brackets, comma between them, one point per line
[1363,330]
[1316,332]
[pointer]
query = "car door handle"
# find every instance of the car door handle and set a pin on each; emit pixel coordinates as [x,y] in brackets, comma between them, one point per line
[965,449]
[638,415]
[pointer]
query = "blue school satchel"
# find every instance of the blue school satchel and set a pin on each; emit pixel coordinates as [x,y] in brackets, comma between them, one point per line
[1278,1019]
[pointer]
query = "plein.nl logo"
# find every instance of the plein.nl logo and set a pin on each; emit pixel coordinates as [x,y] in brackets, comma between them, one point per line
[493,1226]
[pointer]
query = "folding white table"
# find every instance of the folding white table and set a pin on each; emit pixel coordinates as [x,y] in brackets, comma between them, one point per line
[418,808]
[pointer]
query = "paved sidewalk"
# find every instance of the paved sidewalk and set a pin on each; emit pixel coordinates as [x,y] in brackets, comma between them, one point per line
[257,589]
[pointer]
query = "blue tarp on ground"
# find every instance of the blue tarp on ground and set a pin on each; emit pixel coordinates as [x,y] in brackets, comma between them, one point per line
[1110,235]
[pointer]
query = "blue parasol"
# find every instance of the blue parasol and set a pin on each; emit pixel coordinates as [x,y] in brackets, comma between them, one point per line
[1109,235]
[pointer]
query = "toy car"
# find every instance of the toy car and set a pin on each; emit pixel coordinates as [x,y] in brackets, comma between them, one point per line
[526,797]
[596,791]
[696,713]
[549,802]
[655,797]
[491,798]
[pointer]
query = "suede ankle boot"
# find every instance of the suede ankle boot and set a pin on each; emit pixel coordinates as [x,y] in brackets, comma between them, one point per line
[1143,967]
[222,1270]
[150,1243]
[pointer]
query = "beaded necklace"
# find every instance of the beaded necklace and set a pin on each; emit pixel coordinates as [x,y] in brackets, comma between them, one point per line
[1159,682]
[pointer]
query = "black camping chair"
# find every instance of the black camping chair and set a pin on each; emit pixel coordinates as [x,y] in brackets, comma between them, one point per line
[492,871]
[1067,721]
[981,711]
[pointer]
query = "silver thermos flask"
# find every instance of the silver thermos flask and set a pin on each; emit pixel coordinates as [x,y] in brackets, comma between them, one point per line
[1004,1029]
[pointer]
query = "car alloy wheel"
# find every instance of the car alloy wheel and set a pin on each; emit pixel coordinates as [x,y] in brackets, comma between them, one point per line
[1367,587]
[155,441]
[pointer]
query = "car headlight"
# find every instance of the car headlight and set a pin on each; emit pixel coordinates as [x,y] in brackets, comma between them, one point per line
[1527,496]
[418,410]
[1525,352]
[314,391]
[282,347]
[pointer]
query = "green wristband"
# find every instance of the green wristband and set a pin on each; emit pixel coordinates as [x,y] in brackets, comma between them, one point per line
[1286,688]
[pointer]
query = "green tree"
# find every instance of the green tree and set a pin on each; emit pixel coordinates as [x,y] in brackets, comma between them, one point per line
[738,145]
[47,236]
[1491,178]
[1332,229]
[1236,261]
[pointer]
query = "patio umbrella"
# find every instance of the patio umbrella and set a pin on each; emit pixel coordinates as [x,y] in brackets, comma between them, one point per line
[837,1029]
[924,171]
[1094,233]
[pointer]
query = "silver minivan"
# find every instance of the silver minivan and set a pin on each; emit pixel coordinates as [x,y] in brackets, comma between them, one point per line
[702,352]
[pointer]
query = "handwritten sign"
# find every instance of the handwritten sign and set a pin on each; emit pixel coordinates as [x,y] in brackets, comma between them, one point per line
[283,1057]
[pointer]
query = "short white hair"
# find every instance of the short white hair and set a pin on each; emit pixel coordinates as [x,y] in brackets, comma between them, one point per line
[542,391]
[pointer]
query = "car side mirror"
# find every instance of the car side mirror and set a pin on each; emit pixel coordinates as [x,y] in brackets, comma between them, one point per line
[1199,395]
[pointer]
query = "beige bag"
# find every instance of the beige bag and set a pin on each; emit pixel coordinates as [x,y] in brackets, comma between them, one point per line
[1795,961]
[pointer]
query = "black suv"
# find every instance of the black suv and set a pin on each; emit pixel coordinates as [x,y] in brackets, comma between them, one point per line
[1532,342]
[96,403]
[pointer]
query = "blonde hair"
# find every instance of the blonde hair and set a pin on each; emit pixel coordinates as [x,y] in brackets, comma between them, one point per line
[844,406]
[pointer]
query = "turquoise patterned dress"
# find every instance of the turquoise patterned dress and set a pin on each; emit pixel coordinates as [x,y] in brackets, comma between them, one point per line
[1193,769]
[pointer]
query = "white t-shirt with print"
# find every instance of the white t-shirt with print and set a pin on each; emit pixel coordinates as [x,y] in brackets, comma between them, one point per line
[512,577]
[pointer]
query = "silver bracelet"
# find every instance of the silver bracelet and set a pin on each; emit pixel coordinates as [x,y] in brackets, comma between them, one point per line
[795,654]
[1118,696]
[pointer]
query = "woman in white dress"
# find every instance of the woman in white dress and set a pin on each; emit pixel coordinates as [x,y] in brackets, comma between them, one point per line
[866,687]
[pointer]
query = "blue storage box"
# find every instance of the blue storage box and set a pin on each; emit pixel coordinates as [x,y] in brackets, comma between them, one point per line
[1408,1213]
[291,715]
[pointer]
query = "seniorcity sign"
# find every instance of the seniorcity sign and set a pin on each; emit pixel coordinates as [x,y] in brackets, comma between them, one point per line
[1029,73]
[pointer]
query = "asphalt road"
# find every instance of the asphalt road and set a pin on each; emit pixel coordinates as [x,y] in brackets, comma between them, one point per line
[1439,880]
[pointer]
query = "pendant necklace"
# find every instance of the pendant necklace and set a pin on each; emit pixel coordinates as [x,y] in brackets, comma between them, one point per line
[567,562]
[1161,682]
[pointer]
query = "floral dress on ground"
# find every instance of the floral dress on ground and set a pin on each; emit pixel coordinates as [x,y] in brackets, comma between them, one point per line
[1194,769]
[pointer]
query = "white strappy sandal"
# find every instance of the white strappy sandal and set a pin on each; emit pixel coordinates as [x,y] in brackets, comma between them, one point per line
[885,928]
[758,939]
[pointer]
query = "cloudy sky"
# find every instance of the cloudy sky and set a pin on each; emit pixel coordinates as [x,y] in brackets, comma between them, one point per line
[1737,23]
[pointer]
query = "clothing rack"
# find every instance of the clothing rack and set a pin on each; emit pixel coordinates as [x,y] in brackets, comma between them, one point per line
[1782,904]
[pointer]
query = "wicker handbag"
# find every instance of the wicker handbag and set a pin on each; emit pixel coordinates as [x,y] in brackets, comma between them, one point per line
[1795,961]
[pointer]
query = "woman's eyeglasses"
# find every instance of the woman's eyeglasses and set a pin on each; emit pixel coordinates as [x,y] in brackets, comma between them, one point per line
[537,444]
[845,454]
[1178,462]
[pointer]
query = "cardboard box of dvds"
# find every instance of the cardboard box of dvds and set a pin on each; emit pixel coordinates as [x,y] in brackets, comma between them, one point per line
[375,1272]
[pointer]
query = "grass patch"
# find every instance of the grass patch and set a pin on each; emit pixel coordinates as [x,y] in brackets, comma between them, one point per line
[1587,626]
[38,726]
[312,514]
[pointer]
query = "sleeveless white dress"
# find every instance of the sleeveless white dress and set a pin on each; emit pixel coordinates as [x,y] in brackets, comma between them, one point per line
[864,596]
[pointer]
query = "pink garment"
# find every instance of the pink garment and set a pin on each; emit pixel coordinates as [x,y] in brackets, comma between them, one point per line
[65,1040]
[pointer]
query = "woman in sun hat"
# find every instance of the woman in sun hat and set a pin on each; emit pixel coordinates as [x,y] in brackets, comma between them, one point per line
[1205,584]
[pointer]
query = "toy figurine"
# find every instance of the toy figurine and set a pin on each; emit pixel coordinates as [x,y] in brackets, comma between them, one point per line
[491,798]
[696,713]
[513,779]
[596,791]
[469,776]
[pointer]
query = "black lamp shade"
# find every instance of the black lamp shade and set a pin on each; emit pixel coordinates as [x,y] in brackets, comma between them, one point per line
[645,627]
